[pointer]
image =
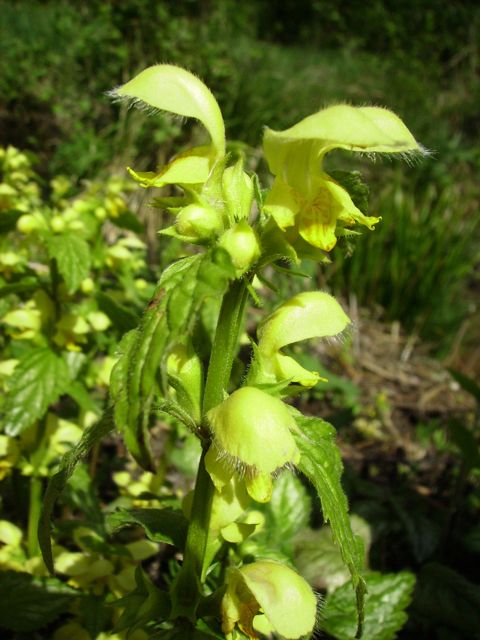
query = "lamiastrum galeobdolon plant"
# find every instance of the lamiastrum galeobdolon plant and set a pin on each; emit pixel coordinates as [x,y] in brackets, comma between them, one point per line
[250,434]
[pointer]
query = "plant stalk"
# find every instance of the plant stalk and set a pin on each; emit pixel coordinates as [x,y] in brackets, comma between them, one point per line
[34,510]
[187,590]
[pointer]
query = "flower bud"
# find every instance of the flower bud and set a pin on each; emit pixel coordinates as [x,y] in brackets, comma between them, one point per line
[237,189]
[312,314]
[87,285]
[185,371]
[28,223]
[286,600]
[253,428]
[57,224]
[242,244]
[199,222]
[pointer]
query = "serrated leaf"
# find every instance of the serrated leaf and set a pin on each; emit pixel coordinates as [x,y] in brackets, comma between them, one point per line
[320,461]
[287,513]
[72,255]
[160,525]
[96,614]
[58,481]
[318,557]
[40,377]
[182,289]
[387,598]
[28,603]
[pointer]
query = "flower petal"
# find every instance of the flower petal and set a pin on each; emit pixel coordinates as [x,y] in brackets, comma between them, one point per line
[311,314]
[191,167]
[281,204]
[367,129]
[171,88]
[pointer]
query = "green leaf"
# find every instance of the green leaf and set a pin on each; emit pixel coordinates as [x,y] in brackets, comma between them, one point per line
[466,442]
[319,559]
[23,286]
[173,89]
[122,318]
[320,461]
[40,377]
[468,384]
[209,275]
[145,603]
[128,220]
[28,603]
[72,255]
[160,525]
[287,513]
[445,598]
[58,481]
[79,392]
[387,598]
[182,289]
[8,220]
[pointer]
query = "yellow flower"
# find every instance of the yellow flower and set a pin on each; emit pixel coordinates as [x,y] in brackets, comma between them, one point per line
[303,195]
[284,600]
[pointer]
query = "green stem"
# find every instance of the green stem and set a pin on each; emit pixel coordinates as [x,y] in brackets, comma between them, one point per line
[225,344]
[34,511]
[188,587]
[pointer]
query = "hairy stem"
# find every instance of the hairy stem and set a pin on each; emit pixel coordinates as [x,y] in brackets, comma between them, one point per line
[188,587]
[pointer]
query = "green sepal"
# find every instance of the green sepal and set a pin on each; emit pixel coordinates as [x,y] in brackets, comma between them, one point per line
[189,168]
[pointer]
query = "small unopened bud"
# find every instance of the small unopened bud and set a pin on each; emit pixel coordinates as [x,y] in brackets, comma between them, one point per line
[201,222]
[237,189]
[242,244]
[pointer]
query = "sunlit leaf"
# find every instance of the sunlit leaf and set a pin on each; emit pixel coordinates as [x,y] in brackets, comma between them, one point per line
[40,377]
[72,255]
[320,461]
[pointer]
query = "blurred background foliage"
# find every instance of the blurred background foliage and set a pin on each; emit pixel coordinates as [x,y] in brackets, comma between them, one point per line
[273,63]
[413,466]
